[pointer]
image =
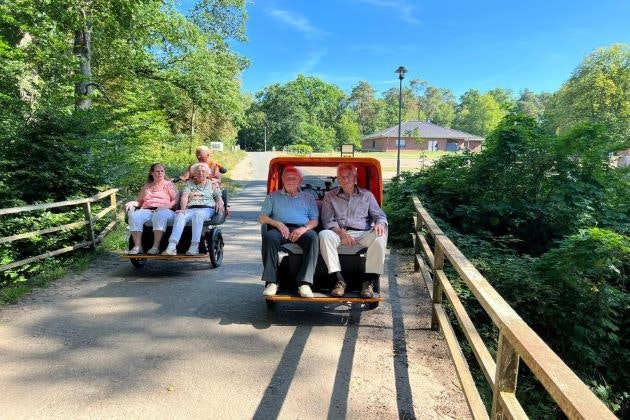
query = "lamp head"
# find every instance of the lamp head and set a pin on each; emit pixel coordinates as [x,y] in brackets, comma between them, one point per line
[401,72]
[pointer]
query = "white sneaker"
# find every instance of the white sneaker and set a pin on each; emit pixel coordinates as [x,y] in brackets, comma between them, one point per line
[135,251]
[193,251]
[170,251]
[270,289]
[153,251]
[304,290]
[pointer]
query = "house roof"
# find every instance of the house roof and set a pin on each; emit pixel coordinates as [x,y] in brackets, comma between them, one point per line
[426,130]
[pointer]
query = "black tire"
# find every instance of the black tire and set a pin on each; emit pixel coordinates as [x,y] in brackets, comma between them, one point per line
[373,305]
[214,242]
[138,262]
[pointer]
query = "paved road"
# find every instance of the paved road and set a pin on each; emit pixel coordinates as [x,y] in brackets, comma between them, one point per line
[181,340]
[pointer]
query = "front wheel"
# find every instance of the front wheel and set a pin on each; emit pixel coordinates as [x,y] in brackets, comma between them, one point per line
[138,262]
[214,242]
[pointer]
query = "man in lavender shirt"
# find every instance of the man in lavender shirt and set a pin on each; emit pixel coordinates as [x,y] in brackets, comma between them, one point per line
[350,216]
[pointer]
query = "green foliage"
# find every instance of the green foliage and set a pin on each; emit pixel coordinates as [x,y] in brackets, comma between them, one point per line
[479,114]
[364,104]
[597,92]
[348,131]
[53,145]
[306,110]
[586,317]
[13,293]
[300,149]
[163,84]
[531,104]
[542,187]
[545,219]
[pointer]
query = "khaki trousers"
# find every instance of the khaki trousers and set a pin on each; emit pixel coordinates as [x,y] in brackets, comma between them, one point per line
[330,245]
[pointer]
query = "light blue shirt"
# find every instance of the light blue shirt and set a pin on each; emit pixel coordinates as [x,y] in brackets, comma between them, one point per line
[296,210]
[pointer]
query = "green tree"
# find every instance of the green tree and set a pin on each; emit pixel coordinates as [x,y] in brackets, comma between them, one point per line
[597,92]
[364,104]
[504,97]
[390,104]
[304,111]
[478,114]
[531,104]
[348,131]
[439,105]
[419,88]
[160,81]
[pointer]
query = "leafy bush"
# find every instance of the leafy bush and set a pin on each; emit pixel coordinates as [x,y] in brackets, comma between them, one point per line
[300,149]
[546,220]
[586,313]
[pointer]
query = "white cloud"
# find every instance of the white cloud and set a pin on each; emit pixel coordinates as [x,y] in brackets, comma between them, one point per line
[297,22]
[405,10]
[305,67]
[312,59]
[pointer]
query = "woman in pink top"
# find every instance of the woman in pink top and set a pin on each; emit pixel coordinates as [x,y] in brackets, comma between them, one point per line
[155,202]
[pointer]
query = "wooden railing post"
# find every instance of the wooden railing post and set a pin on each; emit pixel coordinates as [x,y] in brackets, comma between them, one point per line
[438,264]
[417,245]
[113,205]
[506,375]
[87,211]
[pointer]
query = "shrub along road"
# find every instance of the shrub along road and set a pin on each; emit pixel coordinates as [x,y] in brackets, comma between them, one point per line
[181,340]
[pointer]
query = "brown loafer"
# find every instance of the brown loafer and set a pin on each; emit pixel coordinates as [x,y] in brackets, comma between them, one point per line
[367,289]
[339,289]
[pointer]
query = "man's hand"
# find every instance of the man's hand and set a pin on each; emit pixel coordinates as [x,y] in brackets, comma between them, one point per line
[284,230]
[220,207]
[295,235]
[379,229]
[346,238]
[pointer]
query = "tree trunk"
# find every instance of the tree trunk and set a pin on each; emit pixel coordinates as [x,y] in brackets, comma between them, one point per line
[192,128]
[83,87]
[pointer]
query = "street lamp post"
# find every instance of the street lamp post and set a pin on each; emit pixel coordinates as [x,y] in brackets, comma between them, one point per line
[401,75]
[265,137]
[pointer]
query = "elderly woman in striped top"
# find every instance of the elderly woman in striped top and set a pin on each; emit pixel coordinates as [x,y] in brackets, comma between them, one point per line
[156,202]
[200,199]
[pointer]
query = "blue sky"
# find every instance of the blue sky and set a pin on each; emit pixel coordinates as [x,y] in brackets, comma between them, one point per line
[459,45]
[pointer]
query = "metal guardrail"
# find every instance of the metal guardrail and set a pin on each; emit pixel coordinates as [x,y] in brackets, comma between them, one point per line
[89,220]
[517,341]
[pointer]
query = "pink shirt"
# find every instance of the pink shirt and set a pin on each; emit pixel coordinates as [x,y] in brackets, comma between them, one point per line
[159,195]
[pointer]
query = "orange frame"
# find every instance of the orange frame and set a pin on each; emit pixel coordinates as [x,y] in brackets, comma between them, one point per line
[369,175]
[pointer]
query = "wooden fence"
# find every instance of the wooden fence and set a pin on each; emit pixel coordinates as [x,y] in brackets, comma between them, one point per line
[89,220]
[517,341]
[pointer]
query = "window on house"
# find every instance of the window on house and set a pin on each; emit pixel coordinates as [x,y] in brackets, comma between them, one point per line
[403,143]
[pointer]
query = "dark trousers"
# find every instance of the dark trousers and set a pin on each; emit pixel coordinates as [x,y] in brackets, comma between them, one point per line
[271,242]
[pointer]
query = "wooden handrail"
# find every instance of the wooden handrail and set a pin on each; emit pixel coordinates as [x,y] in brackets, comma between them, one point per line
[517,341]
[88,222]
[97,197]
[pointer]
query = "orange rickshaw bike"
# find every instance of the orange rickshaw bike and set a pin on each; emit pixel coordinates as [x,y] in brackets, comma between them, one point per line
[320,176]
